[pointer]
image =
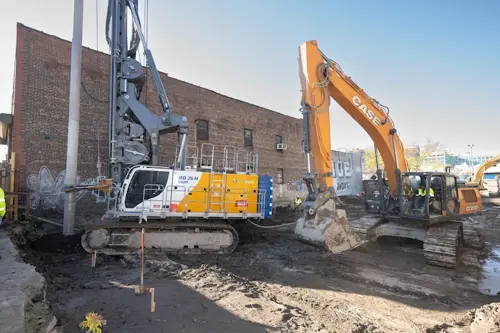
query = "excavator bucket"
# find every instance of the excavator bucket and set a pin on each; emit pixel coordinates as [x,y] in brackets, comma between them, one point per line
[329,228]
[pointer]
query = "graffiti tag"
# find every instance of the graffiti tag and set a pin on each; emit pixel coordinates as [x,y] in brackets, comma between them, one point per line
[343,186]
[294,186]
[46,192]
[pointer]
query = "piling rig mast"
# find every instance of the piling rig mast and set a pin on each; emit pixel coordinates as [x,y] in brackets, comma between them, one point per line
[134,130]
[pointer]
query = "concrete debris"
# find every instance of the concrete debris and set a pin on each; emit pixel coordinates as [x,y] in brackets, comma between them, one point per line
[22,308]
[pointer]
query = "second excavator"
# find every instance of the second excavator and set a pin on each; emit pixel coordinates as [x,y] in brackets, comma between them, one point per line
[477,177]
[426,206]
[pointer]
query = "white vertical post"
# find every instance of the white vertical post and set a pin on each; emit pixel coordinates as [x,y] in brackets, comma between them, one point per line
[73,119]
[471,161]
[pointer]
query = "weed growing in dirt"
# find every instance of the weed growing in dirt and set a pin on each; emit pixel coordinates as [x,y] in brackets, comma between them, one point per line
[93,322]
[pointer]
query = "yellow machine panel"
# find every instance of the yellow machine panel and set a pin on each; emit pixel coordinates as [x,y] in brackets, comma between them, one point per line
[221,193]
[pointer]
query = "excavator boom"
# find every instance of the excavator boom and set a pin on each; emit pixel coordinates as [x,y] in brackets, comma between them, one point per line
[322,78]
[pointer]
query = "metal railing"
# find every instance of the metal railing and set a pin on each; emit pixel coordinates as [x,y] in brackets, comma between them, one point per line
[226,158]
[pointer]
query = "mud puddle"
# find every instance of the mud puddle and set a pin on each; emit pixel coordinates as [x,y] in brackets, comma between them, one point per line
[490,282]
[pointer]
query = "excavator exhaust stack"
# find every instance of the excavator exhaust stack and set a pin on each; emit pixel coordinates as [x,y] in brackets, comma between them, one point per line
[328,227]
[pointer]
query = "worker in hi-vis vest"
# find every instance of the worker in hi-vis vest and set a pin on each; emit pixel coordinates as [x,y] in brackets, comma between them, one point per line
[421,196]
[2,205]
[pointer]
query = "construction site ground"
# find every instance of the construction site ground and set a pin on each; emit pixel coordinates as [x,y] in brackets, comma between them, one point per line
[271,283]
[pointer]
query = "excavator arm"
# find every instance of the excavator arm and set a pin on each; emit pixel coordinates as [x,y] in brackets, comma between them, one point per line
[477,177]
[322,78]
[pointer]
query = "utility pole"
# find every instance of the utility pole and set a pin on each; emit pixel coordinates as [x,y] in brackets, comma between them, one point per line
[73,119]
[471,162]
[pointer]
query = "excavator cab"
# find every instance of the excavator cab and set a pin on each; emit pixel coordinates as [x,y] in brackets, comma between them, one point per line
[429,196]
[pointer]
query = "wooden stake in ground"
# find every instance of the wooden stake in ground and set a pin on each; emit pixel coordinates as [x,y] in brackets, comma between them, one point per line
[142,258]
[141,289]
[153,303]
[94,258]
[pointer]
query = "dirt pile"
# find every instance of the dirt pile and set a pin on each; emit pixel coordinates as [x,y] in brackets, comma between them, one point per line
[485,319]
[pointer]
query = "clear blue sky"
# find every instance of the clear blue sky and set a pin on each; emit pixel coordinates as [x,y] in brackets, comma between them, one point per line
[436,64]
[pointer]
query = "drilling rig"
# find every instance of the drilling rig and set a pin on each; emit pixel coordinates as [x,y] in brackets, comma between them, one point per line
[182,208]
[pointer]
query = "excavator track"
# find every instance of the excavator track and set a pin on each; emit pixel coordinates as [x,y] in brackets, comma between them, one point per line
[443,243]
[122,238]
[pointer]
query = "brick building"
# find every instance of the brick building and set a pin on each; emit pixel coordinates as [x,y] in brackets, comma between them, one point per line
[40,117]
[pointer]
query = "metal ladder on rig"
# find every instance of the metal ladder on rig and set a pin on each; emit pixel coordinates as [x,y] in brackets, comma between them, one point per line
[217,191]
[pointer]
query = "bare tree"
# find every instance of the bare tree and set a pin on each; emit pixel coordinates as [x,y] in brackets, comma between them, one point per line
[415,162]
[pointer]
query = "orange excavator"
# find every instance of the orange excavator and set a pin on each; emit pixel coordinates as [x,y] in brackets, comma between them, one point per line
[427,206]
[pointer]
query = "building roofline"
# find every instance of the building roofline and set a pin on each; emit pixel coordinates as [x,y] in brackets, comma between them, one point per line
[21,25]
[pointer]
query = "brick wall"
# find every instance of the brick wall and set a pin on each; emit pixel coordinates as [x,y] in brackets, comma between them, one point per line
[41,99]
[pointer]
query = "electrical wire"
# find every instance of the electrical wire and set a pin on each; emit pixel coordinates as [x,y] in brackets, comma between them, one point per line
[271,226]
[97,24]
[90,95]
[98,163]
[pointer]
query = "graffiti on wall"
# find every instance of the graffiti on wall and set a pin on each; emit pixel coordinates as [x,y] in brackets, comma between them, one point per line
[46,192]
[294,185]
[347,175]
[343,186]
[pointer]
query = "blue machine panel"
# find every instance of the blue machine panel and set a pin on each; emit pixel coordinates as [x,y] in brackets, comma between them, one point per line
[266,184]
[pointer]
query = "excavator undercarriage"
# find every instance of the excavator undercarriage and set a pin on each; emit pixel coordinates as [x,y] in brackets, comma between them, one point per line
[330,228]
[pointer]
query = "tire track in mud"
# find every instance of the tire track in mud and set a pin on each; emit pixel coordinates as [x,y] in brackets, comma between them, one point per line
[295,309]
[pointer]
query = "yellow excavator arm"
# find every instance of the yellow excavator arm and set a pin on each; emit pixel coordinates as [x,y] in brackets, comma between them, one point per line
[477,177]
[322,78]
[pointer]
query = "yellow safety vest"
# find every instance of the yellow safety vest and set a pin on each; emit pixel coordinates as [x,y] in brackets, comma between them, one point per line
[298,201]
[2,202]
[421,192]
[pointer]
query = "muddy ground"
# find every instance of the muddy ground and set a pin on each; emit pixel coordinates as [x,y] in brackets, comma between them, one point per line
[273,283]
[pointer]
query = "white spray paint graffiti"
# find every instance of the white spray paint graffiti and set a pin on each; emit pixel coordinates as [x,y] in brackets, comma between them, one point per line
[347,178]
[46,192]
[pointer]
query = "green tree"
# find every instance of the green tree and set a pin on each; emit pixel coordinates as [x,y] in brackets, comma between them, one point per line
[370,163]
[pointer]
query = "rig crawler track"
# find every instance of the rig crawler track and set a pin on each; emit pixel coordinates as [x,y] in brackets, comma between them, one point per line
[443,244]
[122,238]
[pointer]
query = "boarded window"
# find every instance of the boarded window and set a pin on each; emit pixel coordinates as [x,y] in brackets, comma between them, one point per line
[248,137]
[280,179]
[202,129]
